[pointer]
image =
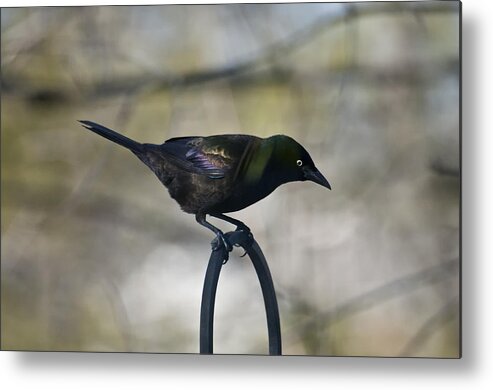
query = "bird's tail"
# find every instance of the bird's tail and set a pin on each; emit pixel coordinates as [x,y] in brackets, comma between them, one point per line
[113,136]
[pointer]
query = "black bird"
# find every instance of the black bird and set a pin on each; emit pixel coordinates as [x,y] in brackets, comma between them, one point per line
[221,173]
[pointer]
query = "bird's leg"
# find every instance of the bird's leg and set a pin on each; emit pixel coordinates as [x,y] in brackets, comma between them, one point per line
[220,239]
[240,226]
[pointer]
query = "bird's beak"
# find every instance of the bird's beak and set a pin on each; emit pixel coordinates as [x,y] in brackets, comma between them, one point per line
[315,176]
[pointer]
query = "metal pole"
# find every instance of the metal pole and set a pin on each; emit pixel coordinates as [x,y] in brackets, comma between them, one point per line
[270,300]
[209,299]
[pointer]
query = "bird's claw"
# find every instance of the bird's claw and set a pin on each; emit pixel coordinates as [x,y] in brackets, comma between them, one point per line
[249,238]
[221,242]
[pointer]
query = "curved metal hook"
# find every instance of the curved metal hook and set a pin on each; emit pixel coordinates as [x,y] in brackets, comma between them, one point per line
[251,247]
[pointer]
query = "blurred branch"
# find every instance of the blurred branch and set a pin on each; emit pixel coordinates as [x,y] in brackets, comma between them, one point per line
[443,316]
[444,169]
[269,55]
[119,311]
[264,61]
[389,291]
[35,40]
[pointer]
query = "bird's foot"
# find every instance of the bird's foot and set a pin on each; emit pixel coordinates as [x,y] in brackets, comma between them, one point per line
[221,242]
[247,234]
[241,227]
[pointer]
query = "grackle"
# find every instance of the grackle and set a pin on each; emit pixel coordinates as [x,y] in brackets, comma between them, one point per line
[221,173]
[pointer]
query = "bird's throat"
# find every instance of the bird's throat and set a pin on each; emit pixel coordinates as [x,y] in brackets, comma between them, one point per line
[257,163]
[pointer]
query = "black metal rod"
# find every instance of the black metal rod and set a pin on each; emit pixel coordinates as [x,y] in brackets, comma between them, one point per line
[247,242]
[270,300]
[209,299]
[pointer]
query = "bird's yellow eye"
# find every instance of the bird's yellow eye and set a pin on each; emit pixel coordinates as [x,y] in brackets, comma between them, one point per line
[299,163]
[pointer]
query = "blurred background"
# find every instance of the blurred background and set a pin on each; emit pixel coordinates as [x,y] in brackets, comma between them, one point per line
[96,256]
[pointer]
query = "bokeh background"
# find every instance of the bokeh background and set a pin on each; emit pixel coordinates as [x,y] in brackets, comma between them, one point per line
[96,256]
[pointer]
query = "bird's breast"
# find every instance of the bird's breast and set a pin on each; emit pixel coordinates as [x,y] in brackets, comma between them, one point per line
[242,195]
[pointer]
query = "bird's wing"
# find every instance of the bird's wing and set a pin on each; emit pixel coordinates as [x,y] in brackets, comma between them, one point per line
[199,155]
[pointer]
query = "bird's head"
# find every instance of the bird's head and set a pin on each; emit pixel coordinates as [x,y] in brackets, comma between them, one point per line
[294,162]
